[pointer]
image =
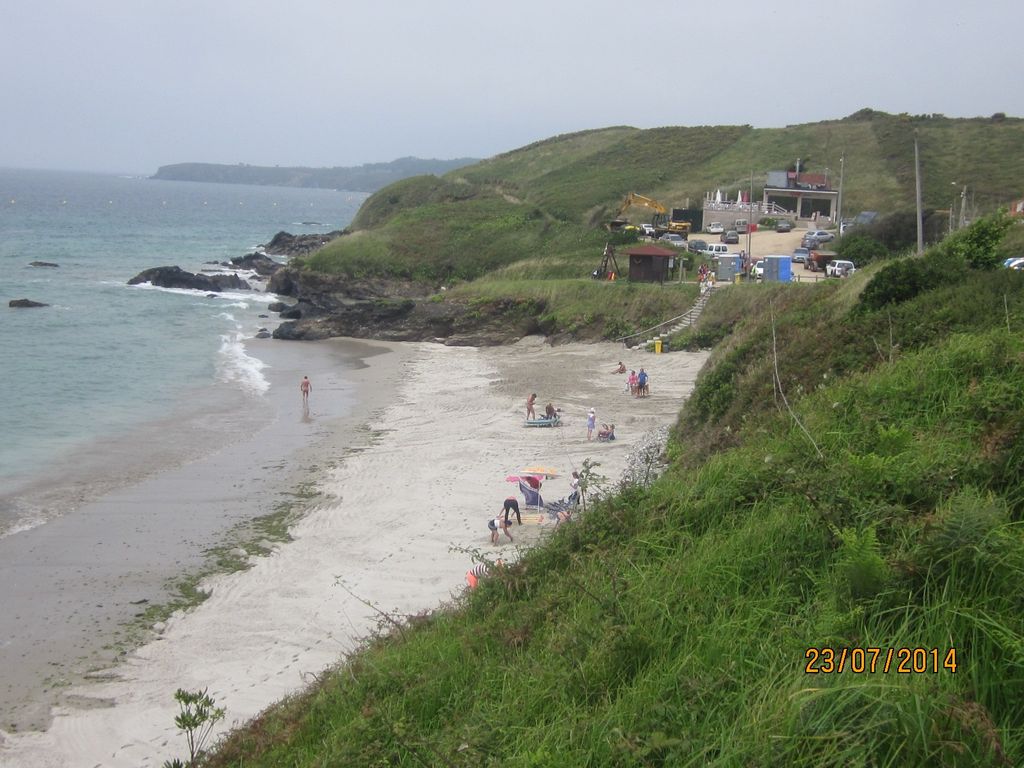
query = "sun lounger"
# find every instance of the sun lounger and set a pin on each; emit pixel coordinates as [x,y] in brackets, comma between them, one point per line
[544,422]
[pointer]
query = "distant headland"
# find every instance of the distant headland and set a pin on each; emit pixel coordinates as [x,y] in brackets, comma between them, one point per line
[368,177]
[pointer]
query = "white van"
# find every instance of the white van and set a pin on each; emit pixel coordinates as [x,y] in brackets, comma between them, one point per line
[716,249]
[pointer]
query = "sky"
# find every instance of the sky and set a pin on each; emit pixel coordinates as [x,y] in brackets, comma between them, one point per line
[129,85]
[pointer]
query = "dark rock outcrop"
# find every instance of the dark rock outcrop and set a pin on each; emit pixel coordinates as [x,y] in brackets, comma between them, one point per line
[42,264]
[257,262]
[287,244]
[176,277]
[25,303]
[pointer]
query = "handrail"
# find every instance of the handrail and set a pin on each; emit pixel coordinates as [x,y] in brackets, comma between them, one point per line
[690,311]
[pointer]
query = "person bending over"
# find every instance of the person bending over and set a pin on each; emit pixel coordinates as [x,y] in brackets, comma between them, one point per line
[512,505]
[498,524]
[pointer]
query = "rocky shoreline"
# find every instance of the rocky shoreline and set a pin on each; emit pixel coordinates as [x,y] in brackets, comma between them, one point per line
[327,306]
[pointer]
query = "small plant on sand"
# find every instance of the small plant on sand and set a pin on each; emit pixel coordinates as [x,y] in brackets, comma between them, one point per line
[196,720]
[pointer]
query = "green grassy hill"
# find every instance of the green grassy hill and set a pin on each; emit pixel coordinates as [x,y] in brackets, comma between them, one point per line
[538,209]
[847,474]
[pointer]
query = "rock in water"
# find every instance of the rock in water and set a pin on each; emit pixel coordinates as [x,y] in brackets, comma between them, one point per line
[176,277]
[25,303]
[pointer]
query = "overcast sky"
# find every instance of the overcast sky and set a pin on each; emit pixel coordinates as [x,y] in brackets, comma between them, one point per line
[129,85]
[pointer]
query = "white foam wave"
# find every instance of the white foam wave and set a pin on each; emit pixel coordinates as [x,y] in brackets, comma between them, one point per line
[192,292]
[234,366]
[238,304]
[227,316]
[25,524]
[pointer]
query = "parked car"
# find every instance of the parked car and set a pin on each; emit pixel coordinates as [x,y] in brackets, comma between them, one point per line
[783,225]
[647,229]
[800,255]
[673,239]
[732,236]
[839,268]
[819,236]
[696,246]
[714,228]
[716,249]
[757,271]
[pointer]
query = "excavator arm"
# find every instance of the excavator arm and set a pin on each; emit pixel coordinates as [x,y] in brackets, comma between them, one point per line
[634,199]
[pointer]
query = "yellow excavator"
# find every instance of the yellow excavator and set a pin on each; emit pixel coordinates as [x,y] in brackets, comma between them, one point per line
[659,221]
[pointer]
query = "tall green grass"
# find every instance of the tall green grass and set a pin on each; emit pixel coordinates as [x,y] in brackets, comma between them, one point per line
[670,626]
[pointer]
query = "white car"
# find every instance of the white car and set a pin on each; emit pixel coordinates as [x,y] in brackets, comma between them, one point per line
[714,228]
[839,269]
[757,271]
[673,239]
[647,229]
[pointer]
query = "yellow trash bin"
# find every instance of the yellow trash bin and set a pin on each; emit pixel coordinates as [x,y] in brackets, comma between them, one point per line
[657,346]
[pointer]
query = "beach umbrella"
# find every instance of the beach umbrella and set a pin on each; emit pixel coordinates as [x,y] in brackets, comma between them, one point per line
[547,472]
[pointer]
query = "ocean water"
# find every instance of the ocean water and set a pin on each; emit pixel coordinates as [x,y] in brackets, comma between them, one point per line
[106,361]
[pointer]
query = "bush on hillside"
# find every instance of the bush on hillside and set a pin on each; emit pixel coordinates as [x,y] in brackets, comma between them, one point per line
[898,231]
[978,244]
[861,249]
[975,247]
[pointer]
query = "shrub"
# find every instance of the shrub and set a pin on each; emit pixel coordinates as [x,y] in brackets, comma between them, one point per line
[978,244]
[861,249]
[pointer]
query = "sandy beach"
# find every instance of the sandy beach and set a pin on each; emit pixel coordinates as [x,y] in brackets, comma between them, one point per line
[403,506]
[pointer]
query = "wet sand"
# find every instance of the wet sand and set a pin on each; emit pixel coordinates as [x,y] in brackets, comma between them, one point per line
[137,512]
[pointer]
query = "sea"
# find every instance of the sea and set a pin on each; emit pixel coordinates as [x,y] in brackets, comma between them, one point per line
[95,386]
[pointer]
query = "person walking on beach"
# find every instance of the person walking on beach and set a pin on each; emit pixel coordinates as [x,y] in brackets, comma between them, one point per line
[641,383]
[499,523]
[530,413]
[306,387]
[591,423]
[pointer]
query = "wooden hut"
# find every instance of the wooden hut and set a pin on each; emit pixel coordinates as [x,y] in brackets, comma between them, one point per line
[650,264]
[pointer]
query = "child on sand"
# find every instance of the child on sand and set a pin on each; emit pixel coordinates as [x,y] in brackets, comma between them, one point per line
[591,423]
[498,524]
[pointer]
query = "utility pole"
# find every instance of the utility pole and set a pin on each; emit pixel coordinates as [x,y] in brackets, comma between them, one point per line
[839,200]
[963,207]
[917,175]
[750,213]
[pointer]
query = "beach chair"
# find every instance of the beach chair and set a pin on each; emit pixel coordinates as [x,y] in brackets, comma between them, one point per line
[529,487]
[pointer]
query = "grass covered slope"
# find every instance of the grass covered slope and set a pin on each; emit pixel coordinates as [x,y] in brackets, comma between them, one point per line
[547,201]
[671,625]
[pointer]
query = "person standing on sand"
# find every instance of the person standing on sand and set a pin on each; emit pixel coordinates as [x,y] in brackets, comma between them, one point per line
[591,423]
[306,387]
[530,413]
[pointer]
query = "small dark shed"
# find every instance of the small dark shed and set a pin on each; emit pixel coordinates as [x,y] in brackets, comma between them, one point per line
[649,263]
